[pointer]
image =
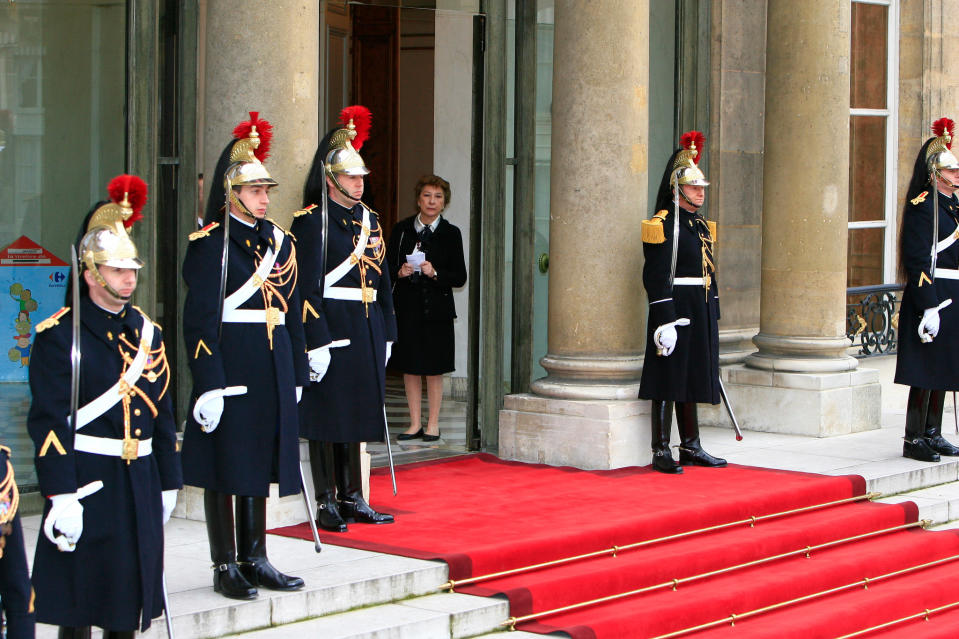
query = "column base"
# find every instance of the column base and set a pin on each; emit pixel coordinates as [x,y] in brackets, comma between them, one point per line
[587,434]
[811,404]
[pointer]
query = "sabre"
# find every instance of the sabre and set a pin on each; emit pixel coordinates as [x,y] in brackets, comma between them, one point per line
[75,346]
[309,510]
[389,450]
[166,608]
[223,259]
[729,409]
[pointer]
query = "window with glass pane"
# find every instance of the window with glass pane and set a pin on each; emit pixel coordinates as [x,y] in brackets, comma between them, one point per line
[868,59]
[867,168]
[62,137]
[864,256]
[870,207]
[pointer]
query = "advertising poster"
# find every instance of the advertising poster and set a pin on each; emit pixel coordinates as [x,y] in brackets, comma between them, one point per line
[33,282]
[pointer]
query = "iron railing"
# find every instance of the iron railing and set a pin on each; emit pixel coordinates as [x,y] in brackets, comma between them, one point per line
[872,318]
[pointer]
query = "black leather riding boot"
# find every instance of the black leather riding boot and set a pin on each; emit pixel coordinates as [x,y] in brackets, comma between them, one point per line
[321,464]
[118,634]
[933,431]
[73,632]
[915,444]
[227,579]
[691,451]
[251,547]
[349,485]
[661,420]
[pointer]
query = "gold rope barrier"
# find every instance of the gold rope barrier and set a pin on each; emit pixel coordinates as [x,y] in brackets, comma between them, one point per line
[674,583]
[925,614]
[612,551]
[864,582]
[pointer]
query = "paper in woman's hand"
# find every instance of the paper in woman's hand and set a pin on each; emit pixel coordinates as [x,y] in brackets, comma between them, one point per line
[416,259]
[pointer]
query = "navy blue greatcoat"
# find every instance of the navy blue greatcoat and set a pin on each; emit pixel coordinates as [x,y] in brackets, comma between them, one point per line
[255,443]
[115,572]
[934,365]
[691,372]
[347,404]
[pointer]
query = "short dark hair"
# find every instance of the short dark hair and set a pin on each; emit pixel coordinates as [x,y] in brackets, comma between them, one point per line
[432,180]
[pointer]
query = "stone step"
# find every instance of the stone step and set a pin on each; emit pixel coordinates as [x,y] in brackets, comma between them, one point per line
[939,504]
[439,616]
[338,579]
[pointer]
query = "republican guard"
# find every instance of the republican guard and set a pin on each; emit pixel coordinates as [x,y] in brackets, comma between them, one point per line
[16,593]
[349,322]
[244,339]
[111,477]
[682,335]
[928,358]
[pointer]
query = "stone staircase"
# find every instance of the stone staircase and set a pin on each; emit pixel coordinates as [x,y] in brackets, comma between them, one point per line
[355,594]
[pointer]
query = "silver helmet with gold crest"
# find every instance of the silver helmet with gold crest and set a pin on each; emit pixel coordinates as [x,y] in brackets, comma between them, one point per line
[106,240]
[939,152]
[685,168]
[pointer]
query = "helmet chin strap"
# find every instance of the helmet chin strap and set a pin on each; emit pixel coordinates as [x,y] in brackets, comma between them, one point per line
[92,267]
[682,194]
[241,207]
[336,183]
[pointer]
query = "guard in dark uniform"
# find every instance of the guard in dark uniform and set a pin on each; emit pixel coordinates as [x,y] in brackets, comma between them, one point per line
[349,322]
[111,480]
[682,335]
[929,362]
[16,593]
[248,362]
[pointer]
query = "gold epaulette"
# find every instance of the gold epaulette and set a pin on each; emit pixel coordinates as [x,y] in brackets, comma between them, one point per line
[304,211]
[919,198]
[144,314]
[204,232]
[363,204]
[53,320]
[712,229]
[653,232]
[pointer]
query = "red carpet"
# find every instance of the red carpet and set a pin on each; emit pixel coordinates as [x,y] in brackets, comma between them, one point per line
[483,515]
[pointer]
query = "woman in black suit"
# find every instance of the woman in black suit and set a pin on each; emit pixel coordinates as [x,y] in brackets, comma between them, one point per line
[425,254]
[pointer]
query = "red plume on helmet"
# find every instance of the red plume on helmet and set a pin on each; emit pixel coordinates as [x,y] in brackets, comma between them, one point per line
[944,126]
[263,128]
[362,120]
[134,190]
[691,138]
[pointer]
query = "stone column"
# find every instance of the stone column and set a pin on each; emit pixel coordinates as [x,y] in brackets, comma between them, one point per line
[598,183]
[264,57]
[802,374]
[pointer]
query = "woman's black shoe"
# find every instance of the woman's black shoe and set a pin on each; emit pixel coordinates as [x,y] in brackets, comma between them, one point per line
[404,437]
[431,438]
[230,582]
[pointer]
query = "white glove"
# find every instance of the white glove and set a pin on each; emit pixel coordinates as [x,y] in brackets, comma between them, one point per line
[299,394]
[665,338]
[169,503]
[389,350]
[210,413]
[319,362]
[929,325]
[209,406]
[66,515]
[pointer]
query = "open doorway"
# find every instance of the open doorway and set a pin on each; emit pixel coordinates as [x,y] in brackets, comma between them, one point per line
[415,68]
